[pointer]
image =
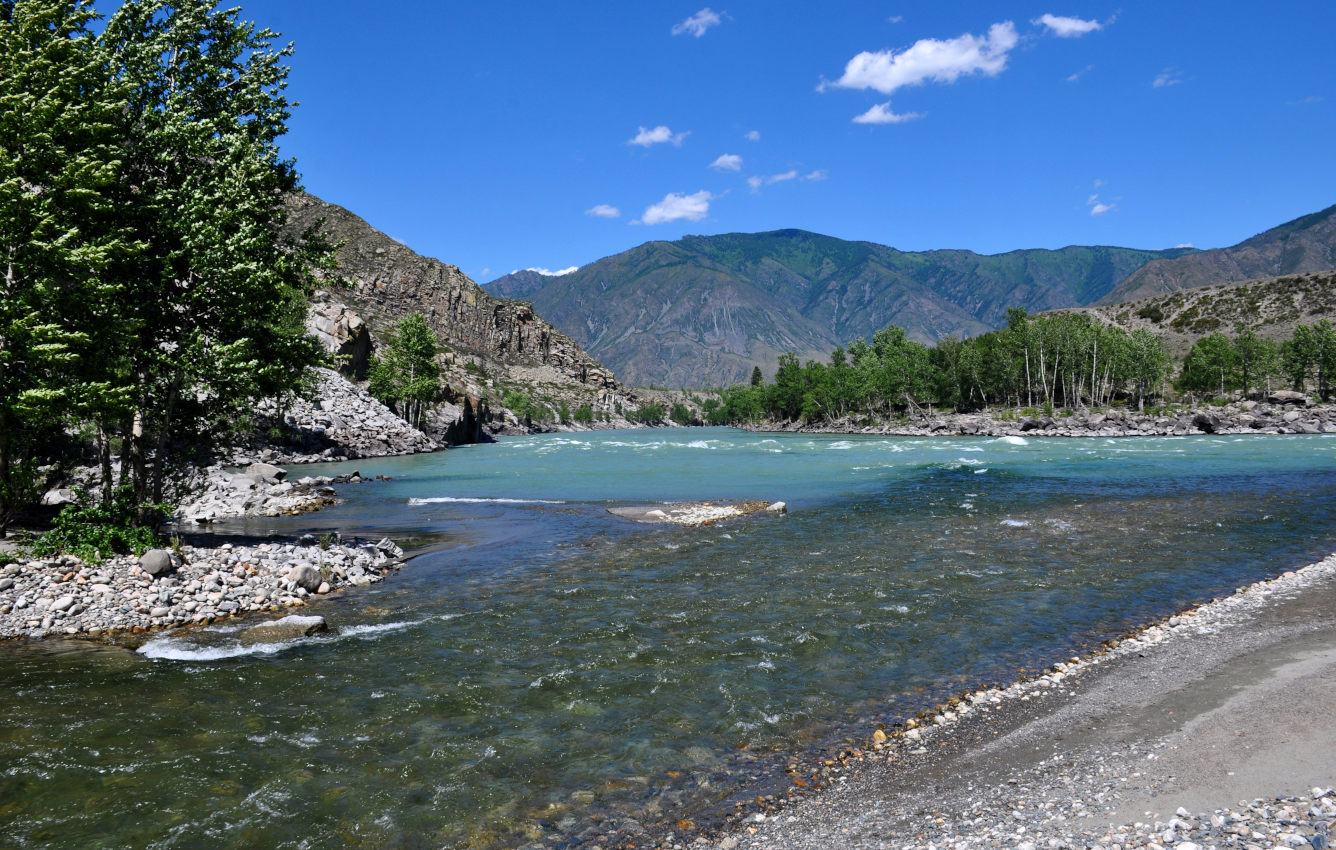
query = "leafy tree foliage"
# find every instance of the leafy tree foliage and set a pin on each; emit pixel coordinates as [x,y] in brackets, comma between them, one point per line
[149,296]
[1055,360]
[406,376]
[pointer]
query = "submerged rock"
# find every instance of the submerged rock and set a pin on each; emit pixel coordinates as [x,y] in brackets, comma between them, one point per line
[285,628]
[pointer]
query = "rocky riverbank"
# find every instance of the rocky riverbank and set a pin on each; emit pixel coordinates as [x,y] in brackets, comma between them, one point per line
[1281,413]
[61,595]
[345,422]
[260,489]
[1161,740]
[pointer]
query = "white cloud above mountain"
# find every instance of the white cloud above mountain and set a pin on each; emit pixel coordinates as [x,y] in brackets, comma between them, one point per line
[675,207]
[930,60]
[603,211]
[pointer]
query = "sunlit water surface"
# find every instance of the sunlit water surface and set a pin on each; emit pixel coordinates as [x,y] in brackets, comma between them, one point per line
[543,667]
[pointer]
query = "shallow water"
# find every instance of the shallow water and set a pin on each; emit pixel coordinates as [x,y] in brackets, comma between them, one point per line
[543,666]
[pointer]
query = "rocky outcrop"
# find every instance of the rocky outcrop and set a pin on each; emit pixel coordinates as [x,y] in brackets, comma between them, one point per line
[344,423]
[222,494]
[342,334]
[387,281]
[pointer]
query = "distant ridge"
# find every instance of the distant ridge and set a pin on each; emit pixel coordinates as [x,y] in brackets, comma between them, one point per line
[1306,244]
[704,310]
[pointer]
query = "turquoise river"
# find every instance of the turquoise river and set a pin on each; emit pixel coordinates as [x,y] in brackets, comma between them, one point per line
[542,672]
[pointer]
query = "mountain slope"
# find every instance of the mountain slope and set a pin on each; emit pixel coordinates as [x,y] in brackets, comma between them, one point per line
[495,343]
[1307,244]
[1271,308]
[702,311]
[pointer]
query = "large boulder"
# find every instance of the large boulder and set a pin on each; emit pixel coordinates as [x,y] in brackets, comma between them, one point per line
[266,472]
[59,496]
[287,628]
[157,562]
[305,576]
[1288,397]
[342,333]
[1206,421]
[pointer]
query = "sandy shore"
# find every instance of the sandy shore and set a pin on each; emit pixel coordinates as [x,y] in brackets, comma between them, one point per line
[1216,728]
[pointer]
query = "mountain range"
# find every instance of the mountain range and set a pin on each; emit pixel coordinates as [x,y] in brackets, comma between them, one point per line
[704,310]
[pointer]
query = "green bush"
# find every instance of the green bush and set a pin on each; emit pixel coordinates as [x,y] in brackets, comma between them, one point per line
[584,414]
[648,414]
[92,531]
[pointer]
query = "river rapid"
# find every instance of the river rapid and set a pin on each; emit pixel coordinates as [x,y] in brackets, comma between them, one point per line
[543,672]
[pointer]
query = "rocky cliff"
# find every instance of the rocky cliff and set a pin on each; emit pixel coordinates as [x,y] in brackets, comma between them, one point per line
[387,281]
[496,348]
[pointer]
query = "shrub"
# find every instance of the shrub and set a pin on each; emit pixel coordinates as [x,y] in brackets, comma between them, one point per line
[92,531]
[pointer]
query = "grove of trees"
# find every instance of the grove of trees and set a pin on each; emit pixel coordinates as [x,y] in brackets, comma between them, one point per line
[1049,361]
[147,294]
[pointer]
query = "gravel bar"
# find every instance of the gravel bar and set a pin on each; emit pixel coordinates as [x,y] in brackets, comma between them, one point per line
[1213,728]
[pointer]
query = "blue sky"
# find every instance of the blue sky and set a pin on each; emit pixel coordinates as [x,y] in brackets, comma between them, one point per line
[507,135]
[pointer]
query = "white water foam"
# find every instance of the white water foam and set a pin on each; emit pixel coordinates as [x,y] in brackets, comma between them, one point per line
[1016,523]
[181,648]
[1013,441]
[436,500]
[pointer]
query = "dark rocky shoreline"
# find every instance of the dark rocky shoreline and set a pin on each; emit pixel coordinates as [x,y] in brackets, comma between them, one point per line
[1280,413]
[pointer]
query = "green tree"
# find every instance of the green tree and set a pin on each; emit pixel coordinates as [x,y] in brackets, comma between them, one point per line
[1209,366]
[406,376]
[1255,359]
[58,160]
[756,377]
[1147,364]
[202,324]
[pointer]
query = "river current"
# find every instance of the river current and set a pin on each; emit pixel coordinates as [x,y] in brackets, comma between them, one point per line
[541,667]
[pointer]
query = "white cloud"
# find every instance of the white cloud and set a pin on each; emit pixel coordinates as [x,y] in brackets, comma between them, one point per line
[1168,77]
[882,114]
[930,60]
[1185,245]
[728,162]
[770,179]
[658,135]
[674,206]
[698,23]
[1067,27]
[895,19]
[603,211]
[753,136]
[1097,207]
[1081,73]
[547,273]
[819,174]
[1312,98]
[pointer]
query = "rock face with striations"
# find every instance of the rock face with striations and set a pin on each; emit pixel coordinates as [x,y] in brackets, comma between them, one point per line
[342,333]
[389,281]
